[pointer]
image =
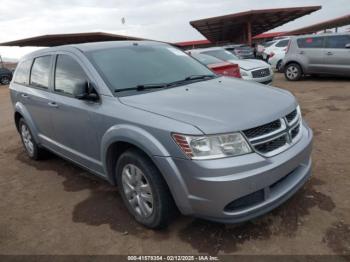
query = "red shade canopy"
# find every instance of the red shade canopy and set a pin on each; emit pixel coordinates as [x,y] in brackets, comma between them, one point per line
[241,27]
[65,39]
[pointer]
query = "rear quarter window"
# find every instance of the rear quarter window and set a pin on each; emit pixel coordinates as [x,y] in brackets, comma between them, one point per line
[337,41]
[22,72]
[311,42]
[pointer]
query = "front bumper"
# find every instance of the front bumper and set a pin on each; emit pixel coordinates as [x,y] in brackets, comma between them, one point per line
[208,186]
[262,80]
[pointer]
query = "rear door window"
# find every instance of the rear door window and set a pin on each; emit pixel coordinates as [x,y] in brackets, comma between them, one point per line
[68,75]
[22,72]
[311,42]
[337,41]
[40,73]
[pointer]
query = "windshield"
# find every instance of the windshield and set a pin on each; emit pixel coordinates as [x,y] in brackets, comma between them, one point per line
[129,66]
[207,59]
[221,54]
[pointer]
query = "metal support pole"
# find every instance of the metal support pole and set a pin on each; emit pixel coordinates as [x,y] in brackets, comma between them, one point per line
[249,33]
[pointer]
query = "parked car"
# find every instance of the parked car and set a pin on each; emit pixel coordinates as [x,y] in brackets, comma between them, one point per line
[327,54]
[260,48]
[276,59]
[276,46]
[168,131]
[251,69]
[281,37]
[240,50]
[218,66]
[5,76]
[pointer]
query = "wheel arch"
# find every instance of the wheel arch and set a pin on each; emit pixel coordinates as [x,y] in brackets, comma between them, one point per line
[120,138]
[22,112]
[294,62]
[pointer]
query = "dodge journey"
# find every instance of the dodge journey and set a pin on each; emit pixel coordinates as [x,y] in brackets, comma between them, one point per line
[170,133]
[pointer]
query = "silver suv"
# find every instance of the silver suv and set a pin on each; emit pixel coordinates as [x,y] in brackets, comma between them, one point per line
[169,132]
[327,54]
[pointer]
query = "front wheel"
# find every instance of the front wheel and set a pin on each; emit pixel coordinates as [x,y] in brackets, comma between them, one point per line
[293,72]
[143,190]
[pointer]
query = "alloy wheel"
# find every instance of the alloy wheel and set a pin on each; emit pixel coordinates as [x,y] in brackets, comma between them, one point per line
[27,139]
[292,72]
[137,190]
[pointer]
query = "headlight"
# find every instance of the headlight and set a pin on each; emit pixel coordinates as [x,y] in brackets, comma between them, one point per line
[213,146]
[299,113]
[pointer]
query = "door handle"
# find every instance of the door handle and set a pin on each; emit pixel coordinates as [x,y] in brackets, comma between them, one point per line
[301,52]
[53,104]
[329,53]
[24,95]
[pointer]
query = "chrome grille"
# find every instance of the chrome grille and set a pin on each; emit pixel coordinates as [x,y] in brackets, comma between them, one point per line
[263,130]
[291,116]
[274,137]
[276,143]
[261,73]
[295,131]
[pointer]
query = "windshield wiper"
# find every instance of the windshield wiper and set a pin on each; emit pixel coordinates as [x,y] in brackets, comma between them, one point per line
[165,85]
[195,77]
[142,87]
[191,78]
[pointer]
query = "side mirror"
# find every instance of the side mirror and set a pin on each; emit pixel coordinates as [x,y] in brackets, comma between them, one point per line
[347,45]
[86,91]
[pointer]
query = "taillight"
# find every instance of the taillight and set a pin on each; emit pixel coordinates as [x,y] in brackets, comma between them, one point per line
[237,73]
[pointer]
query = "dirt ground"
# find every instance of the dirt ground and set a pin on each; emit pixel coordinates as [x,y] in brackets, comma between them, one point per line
[54,207]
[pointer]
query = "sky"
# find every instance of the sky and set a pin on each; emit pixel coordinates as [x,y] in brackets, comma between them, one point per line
[152,19]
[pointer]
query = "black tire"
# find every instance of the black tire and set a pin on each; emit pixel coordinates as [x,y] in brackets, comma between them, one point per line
[37,152]
[5,80]
[293,72]
[278,66]
[163,207]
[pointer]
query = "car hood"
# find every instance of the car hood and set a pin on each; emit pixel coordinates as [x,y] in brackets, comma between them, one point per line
[217,106]
[249,64]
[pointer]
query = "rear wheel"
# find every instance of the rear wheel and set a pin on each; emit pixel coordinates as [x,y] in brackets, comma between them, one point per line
[293,72]
[5,80]
[32,148]
[143,189]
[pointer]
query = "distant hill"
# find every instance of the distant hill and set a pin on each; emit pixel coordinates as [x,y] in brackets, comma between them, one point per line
[9,60]
[10,65]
